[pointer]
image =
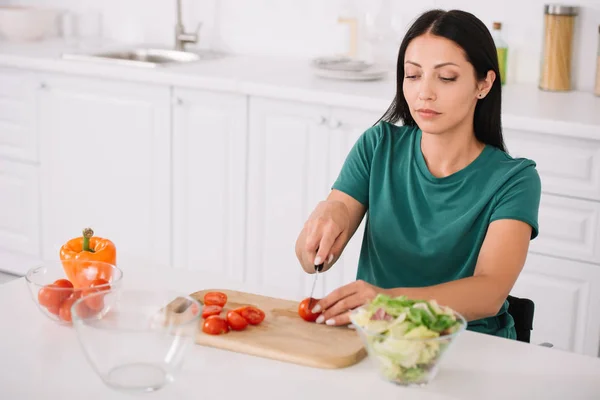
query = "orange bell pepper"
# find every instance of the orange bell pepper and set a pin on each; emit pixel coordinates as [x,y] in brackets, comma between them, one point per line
[77,256]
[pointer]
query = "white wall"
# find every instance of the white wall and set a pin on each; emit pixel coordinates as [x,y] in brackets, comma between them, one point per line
[306,28]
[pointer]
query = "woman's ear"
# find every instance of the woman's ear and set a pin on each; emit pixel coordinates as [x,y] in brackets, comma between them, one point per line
[485,85]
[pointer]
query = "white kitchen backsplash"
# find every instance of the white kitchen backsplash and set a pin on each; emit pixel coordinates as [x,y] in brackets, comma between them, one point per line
[308,28]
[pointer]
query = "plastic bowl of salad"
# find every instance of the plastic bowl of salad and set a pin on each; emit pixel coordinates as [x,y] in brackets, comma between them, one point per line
[406,339]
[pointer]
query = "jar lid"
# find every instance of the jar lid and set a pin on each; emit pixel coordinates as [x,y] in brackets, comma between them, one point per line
[559,9]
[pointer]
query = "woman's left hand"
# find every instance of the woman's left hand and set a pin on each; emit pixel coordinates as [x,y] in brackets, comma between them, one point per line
[337,305]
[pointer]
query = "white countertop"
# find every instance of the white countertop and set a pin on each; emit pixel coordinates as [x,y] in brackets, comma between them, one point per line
[524,106]
[40,359]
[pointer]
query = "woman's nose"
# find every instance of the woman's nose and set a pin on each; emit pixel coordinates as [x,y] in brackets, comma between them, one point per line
[426,91]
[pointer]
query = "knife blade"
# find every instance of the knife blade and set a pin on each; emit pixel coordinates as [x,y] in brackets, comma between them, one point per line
[318,269]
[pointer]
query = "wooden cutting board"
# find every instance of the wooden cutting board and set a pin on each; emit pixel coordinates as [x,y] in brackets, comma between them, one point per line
[284,336]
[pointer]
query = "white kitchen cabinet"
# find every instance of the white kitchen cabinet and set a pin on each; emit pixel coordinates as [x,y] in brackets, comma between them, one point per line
[287,176]
[209,181]
[19,213]
[105,163]
[567,302]
[295,150]
[18,139]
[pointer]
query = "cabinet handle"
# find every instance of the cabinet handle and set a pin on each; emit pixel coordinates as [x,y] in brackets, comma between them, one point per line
[322,120]
[179,101]
[335,124]
[43,86]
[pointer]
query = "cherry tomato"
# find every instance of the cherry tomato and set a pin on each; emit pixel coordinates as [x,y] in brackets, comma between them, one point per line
[65,308]
[253,315]
[215,325]
[53,310]
[64,283]
[215,299]
[305,312]
[207,311]
[96,303]
[51,296]
[236,321]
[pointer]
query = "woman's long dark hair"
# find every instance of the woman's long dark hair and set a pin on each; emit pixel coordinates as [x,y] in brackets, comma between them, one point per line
[468,32]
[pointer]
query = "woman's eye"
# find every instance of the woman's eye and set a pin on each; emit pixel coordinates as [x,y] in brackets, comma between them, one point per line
[448,79]
[410,76]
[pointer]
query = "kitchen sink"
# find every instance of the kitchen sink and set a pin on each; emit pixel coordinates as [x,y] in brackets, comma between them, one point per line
[144,57]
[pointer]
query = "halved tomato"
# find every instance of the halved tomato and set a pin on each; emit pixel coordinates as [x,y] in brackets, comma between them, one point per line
[215,325]
[236,321]
[215,299]
[207,311]
[252,314]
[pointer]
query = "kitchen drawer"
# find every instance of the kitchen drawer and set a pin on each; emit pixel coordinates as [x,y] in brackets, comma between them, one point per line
[569,228]
[19,208]
[18,139]
[567,165]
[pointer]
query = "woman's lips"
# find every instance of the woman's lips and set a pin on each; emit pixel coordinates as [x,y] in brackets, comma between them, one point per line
[427,113]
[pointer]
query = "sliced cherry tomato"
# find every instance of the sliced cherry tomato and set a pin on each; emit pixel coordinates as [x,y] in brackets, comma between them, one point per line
[239,309]
[215,325]
[215,299]
[64,283]
[207,311]
[51,296]
[236,321]
[253,315]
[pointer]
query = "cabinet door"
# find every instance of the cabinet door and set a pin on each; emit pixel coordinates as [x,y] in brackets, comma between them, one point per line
[105,163]
[209,141]
[19,208]
[346,126]
[287,177]
[18,140]
[567,302]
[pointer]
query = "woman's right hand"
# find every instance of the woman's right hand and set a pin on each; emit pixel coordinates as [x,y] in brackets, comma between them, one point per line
[324,235]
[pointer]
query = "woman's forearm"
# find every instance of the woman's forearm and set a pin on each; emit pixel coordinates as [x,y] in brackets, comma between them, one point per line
[474,297]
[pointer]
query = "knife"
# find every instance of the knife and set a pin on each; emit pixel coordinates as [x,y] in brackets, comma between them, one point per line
[318,269]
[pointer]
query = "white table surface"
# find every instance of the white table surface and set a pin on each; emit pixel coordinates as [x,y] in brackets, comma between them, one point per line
[40,359]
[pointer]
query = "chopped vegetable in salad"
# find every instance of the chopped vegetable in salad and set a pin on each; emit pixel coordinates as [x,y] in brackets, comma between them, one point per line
[394,328]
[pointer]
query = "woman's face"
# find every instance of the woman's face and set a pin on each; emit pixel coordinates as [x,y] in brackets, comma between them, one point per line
[440,85]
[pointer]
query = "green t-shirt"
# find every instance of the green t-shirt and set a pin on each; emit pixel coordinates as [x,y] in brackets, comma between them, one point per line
[422,230]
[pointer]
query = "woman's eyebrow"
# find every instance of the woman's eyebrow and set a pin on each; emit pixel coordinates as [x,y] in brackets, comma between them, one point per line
[437,66]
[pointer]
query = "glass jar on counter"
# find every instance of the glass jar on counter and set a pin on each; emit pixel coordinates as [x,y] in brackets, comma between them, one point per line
[559,29]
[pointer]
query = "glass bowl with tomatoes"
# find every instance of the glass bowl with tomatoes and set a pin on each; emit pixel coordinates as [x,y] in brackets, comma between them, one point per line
[56,285]
[138,340]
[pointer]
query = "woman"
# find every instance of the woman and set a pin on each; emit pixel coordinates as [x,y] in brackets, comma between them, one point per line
[450,213]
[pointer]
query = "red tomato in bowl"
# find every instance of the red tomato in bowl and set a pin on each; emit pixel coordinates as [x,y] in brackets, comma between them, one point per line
[305,309]
[96,303]
[63,283]
[52,296]
[215,325]
[236,321]
[215,299]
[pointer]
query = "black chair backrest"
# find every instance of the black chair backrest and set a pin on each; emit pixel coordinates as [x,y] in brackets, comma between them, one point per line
[522,311]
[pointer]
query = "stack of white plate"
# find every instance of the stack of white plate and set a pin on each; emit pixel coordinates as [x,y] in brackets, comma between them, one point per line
[346,68]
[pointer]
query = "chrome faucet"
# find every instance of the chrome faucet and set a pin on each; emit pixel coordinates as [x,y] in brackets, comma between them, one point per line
[181,37]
